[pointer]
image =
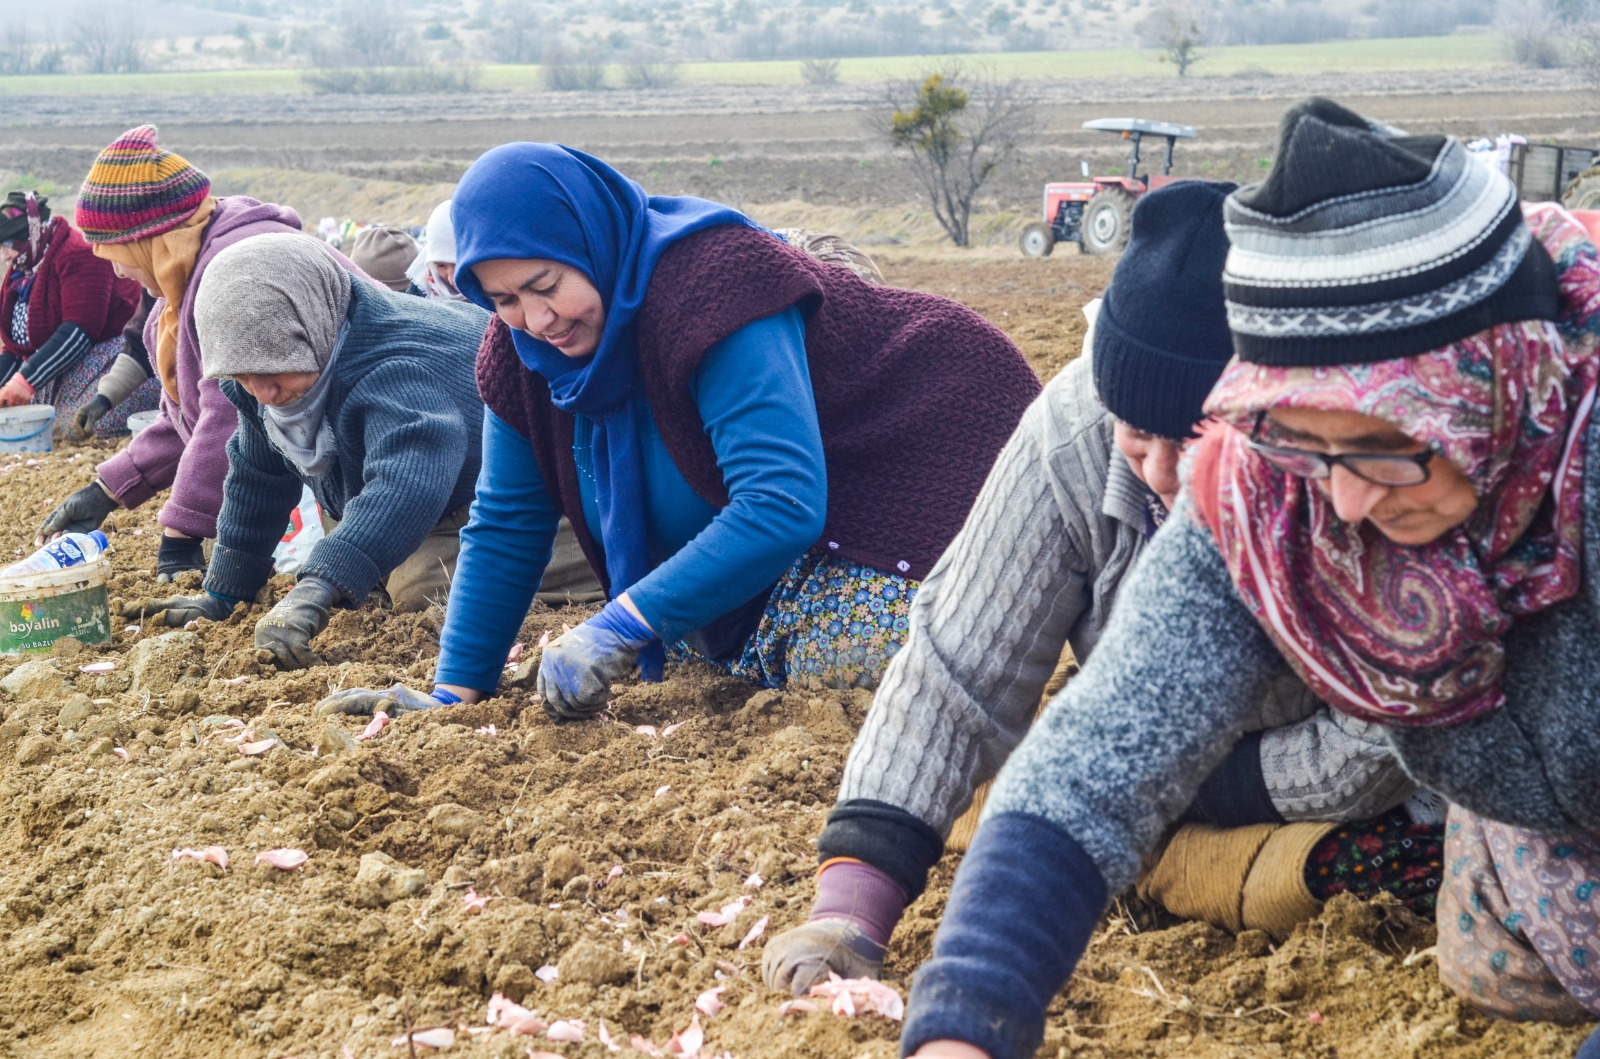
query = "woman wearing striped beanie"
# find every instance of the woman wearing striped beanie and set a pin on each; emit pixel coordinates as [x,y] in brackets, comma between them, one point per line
[152,215]
[1400,504]
[62,311]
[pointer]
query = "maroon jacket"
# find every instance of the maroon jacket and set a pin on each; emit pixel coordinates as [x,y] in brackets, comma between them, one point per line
[71,285]
[915,393]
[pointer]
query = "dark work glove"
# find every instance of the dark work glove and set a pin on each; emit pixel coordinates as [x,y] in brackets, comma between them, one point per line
[83,423]
[802,956]
[856,911]
[576,672]
[178,554]
[79,513]
[181,610]
[394,701]
[283,636]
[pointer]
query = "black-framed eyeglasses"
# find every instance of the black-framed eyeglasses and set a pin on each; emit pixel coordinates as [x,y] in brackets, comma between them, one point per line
[1385,469]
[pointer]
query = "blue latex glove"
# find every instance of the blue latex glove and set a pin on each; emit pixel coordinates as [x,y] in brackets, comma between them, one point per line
[576,671]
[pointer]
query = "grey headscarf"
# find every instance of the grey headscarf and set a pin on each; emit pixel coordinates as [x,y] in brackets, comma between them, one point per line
[270,304]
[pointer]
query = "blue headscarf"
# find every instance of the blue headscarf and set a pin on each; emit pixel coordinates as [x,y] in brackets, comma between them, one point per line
[542,200]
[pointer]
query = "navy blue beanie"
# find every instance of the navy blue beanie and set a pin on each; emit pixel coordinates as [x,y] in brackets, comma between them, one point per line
[1161,339]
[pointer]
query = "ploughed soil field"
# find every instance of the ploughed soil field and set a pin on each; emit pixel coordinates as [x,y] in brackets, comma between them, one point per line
[477,850]
[392,158]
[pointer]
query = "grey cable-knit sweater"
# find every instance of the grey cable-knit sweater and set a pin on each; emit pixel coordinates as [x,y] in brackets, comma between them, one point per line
[407,423]
[1119,754]
[1039,563]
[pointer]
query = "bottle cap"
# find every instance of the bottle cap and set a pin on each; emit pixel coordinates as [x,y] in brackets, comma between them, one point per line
[99,538]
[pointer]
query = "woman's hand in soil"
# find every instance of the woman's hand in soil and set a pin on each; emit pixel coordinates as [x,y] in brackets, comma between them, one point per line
[576,671]
[178,611]
[801,957]
[83,423]
[177,554]
[364,702]
[79,513]
[283,636]
[15,392]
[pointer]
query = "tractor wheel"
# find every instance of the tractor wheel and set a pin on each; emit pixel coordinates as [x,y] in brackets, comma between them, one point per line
[1038,240]
[1106,221]
[1584,191]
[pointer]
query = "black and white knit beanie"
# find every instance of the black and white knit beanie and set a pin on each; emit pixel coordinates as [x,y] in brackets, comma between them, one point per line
[1365,244]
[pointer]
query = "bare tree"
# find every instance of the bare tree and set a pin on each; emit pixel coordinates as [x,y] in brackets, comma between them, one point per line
[518,33]
[959,128]
[644,68]
[368,34]
[1178,28]
[1584,40]
[1529,32]
[109,37]
[820,72]
[564,70]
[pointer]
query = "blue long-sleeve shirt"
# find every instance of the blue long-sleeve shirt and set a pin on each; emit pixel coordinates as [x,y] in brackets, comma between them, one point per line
[753,390]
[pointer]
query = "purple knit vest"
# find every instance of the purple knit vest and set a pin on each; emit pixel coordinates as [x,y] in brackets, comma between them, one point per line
[915,393]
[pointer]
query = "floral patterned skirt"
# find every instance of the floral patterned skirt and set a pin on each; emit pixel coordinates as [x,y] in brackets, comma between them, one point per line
[76,388]
[1387,854]
[1519,920]
[828,623]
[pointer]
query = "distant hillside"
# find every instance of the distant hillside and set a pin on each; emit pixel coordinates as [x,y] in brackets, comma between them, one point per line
[117,35]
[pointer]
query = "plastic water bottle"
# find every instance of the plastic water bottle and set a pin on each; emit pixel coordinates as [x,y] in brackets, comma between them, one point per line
[69,549]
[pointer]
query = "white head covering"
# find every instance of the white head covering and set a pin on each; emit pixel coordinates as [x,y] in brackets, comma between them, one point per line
[441,234]
[439,245]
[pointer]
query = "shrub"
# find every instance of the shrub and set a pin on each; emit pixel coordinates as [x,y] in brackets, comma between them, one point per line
[820,72]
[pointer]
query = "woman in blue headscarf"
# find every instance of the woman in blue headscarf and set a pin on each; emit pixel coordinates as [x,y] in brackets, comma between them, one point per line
[761,454]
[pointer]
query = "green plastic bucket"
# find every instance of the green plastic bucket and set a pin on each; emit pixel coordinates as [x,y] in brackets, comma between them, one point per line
[26,428]
[36,610]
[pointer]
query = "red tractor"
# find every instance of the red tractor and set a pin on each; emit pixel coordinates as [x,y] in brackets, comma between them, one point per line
[1095,213]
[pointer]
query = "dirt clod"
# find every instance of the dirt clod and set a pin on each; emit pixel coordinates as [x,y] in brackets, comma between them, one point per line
[382,880]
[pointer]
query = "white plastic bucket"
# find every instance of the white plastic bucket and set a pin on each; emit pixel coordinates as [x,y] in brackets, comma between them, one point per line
[26,428]
[137,421]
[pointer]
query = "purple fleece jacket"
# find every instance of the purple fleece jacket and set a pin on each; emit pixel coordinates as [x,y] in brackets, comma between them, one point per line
[187,448]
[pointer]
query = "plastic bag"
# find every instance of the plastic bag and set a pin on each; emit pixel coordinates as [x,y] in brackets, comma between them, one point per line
[303,533]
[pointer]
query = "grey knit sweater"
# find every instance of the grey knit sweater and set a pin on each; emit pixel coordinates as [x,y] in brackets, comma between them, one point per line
[407,424]
[1039,563]
[1119,754]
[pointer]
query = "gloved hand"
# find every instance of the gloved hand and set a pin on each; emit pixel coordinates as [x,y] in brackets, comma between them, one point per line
[83,423]
[576,671]
[802,956]
[79,513]
[283,636]
[177,554]
[179,611]
[856,910]
[394,701]
[16,391]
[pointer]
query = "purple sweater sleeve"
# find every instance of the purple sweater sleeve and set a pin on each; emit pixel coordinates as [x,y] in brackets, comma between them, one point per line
[197,484]
[162,456]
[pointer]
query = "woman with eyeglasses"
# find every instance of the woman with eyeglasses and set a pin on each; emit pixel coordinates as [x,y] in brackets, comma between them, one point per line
[1400,504]
[1295,811]
[61,315]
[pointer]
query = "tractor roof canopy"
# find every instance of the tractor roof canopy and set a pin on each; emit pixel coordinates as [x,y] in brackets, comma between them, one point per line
[1142,125]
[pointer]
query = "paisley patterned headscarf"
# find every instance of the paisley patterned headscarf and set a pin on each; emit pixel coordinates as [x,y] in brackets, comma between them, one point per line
[1411,635]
